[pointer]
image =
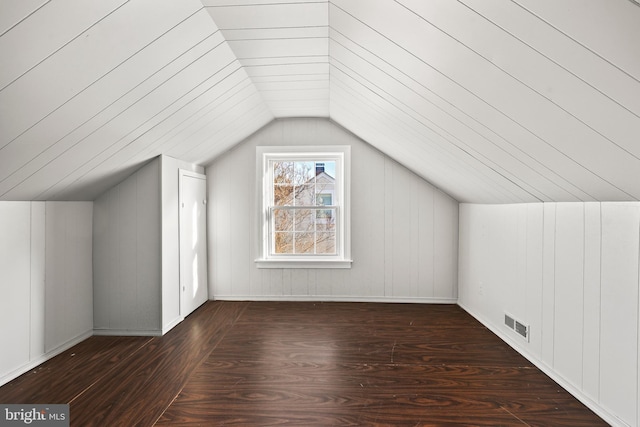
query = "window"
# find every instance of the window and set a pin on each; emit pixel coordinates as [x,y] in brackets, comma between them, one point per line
[304,207]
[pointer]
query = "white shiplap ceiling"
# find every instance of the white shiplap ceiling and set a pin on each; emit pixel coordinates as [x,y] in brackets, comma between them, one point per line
[495,101]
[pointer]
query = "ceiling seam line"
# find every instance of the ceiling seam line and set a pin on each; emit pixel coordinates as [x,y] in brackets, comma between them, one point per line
[496,109]
[458,109]
[431,166]
[444,150]
[575,41]
[297,3]
[107,122]
[135,139]
[465,150]
[208,137]
[21,20]
[104,75]
[63,45]
[206,109]
[103,109]
[532,89]
[549,58]
[465,125]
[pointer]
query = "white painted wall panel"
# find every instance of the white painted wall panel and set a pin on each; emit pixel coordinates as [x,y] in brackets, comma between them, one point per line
[69,273]
[38,267]
[15,284]
[619,310]
[583,269]
[388,214]
[445,260]
[569,292]
[533,294]
[592,293]
[128,255]
[46,280]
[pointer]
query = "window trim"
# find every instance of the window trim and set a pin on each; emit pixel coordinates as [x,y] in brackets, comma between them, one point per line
[342,155]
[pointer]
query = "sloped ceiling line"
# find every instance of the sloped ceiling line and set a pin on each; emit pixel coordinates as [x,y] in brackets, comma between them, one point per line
[62,46]
[19,18]
[30,117]
[484,100]
[577,41]
[120,112]
[17,165]
[384,95]
[131,153]
[448,145]
[413,144]
[596,116]
[549,175]
[108,151]
[549,58]
[454,82]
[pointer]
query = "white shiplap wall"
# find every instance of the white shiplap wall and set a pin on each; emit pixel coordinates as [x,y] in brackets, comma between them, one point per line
[570,271]
[136,241]
[404,231]
[127,279]
[45,281]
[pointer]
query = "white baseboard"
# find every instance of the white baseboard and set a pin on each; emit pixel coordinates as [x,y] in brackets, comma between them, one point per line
[578,394]
[335,298]
[172,324]
[43,358]
[127,333]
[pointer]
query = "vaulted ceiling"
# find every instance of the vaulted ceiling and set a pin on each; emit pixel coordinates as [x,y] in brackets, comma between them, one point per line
[494,101]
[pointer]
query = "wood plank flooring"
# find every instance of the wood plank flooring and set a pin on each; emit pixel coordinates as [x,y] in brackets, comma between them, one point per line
[304,364]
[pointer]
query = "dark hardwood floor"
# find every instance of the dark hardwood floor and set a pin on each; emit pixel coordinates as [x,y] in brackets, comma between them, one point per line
[304,364]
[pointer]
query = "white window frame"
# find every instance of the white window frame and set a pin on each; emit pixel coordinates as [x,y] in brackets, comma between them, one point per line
[264,187]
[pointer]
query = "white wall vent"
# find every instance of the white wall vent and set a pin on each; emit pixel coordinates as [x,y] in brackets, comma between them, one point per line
[517,326]
[509,321]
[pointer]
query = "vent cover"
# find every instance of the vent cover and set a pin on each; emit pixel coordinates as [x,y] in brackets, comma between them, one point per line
[522,329]
[517,326]
[509,321]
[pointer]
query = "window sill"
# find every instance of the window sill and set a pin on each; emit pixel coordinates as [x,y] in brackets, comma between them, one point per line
[303,263]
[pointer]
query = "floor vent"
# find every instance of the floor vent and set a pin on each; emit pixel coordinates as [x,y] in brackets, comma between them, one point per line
[517,326]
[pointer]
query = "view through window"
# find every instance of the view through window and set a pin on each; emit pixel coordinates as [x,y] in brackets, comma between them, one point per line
[303,217]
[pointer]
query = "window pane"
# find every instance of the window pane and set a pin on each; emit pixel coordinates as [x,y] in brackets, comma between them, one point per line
[283,195]
[324,199]
[326,243]
[305,195]
[304,172]
[282,172]
[304,220]
[282,220]
[283,243]
[327,167]
[326,219]
[304,243]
